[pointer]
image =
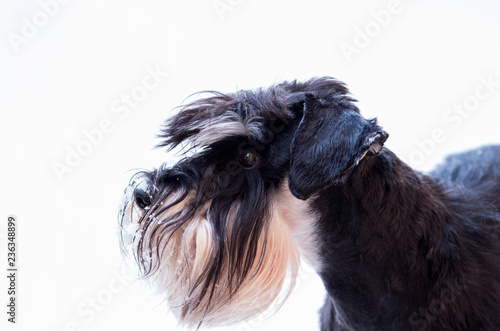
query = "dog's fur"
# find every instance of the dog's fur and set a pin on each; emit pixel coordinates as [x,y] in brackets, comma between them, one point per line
[294,170]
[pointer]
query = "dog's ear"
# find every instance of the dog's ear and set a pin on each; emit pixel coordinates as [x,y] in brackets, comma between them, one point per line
[331,139]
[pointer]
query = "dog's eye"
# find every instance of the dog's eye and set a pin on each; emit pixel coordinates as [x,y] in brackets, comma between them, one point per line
[248,159]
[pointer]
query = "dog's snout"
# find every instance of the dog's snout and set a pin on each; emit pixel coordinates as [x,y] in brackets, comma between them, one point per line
[142,198]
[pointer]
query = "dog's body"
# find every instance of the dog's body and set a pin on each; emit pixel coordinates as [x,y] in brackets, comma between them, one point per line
[414,252]
[295,168]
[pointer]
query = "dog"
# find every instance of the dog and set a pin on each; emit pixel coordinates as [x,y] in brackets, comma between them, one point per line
[272,176]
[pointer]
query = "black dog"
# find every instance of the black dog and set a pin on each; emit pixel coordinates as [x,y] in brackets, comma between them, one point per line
[294,170]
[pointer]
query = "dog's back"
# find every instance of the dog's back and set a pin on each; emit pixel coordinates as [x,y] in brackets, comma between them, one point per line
[476,169]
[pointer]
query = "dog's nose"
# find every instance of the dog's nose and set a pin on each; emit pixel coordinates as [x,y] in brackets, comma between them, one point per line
[142,198]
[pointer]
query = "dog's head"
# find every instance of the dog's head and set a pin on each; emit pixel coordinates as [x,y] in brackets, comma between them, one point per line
[220,231]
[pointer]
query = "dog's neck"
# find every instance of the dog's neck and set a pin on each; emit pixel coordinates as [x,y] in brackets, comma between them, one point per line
[380,228]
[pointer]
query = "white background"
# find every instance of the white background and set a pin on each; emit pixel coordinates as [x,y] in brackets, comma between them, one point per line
[65,68]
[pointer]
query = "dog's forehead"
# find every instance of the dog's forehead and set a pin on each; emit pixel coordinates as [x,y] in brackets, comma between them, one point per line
[206,121]
[246,112]
[227,125]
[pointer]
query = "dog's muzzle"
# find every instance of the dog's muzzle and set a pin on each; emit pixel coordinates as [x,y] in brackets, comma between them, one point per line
[136,200]
[139,193]
[187,245]
[143,197]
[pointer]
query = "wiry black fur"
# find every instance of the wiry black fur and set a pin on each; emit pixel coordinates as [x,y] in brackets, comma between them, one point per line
[415,254]
[400,250]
